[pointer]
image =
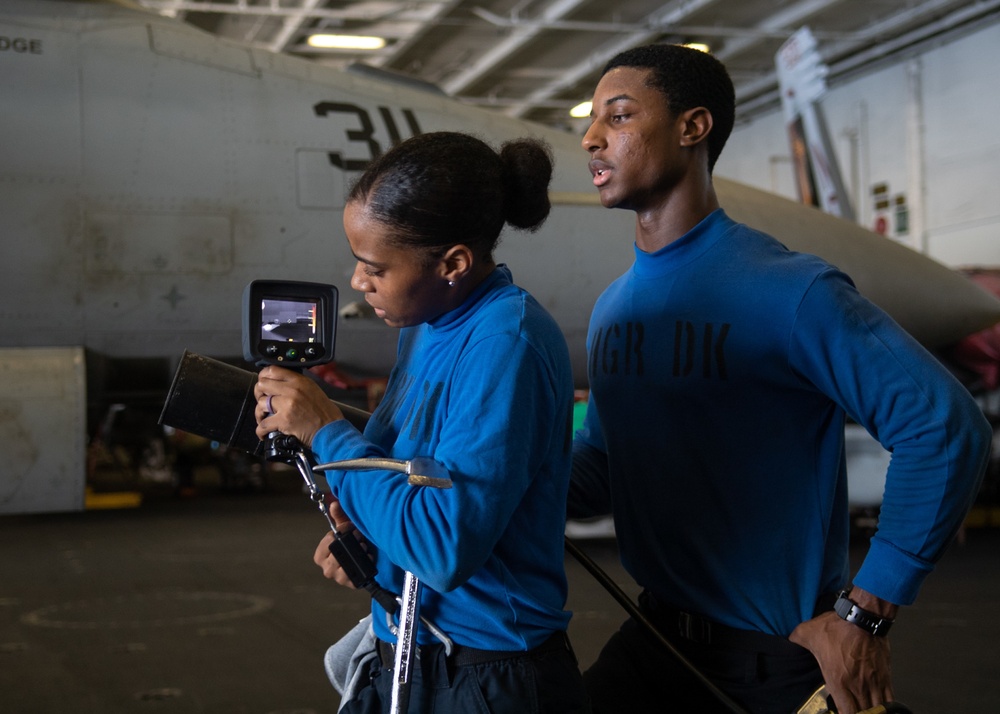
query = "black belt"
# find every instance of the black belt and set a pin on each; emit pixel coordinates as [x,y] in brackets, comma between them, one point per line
[676,624]
[462,656]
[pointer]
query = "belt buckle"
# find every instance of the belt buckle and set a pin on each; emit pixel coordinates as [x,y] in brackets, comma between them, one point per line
[694,628]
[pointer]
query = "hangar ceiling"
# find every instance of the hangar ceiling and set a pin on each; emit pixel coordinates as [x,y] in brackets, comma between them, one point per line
[537,58]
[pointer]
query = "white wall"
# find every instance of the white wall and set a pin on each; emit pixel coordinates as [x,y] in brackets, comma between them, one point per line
[926,127]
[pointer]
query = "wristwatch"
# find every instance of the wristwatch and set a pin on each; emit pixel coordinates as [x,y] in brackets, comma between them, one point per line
[871,623]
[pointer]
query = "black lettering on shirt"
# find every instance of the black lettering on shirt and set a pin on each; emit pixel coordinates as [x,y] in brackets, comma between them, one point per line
[712,349]
[421,416]
[391,401]
[418,425]
[618,349]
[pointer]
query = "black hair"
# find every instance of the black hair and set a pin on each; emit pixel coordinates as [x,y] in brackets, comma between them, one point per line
[444,188]
[688,78]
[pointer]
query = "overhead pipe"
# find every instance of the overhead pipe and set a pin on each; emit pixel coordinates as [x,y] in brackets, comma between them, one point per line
[598,59]
[763,93]
[498,53]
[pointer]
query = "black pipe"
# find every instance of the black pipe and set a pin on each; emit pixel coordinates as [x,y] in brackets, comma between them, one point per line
[633,610]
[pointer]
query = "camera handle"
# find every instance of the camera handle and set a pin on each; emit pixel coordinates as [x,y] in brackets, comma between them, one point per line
[347,549]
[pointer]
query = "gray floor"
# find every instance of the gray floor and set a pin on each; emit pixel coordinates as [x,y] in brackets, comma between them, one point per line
[212,604]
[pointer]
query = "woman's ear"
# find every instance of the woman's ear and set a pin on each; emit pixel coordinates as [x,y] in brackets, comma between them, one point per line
[456,263]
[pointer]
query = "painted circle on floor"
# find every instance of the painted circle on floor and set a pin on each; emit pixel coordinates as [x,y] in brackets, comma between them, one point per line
[161,609]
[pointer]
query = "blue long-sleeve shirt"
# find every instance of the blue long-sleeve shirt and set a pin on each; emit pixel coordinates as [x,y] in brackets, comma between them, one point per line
[486,390]
[721,368]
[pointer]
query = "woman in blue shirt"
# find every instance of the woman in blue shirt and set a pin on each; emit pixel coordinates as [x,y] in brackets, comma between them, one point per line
[482,384]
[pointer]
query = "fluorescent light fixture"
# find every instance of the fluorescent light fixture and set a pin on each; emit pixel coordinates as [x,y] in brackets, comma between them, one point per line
[346,42]
[581,110]
[700,46]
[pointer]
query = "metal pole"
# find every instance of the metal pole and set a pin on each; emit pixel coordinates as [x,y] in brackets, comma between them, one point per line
[406,644]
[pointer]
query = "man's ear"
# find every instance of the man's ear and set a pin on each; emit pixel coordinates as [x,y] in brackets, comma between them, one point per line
[696,124]
[456,263]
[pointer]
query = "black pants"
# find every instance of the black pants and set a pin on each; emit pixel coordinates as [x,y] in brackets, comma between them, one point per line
[635,673]
[543,681]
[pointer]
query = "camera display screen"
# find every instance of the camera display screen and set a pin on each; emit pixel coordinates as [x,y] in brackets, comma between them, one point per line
[289,323]
[287,320]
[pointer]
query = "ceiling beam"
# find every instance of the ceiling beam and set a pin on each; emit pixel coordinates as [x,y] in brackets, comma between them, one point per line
[310,9]
[635,28]
[758,96]
[886,26]
[291,26]
[498,53]
[397,49]
[598,59]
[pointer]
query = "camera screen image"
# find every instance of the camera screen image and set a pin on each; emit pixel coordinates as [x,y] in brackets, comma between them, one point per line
[287,320]
[289,323]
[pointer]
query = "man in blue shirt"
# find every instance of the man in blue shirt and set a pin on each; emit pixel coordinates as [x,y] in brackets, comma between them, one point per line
[722,367]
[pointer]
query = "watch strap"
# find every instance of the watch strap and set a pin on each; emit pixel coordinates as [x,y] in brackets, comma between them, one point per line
[868,621]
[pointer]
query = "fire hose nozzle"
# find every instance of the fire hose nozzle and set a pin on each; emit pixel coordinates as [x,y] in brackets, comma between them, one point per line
[420,470]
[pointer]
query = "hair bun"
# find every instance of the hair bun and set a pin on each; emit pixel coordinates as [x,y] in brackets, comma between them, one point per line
[527,171]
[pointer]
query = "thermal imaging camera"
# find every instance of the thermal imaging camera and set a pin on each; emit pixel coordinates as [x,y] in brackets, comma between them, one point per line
[289,323]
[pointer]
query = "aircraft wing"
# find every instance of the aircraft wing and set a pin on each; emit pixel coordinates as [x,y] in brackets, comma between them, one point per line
[935,304]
